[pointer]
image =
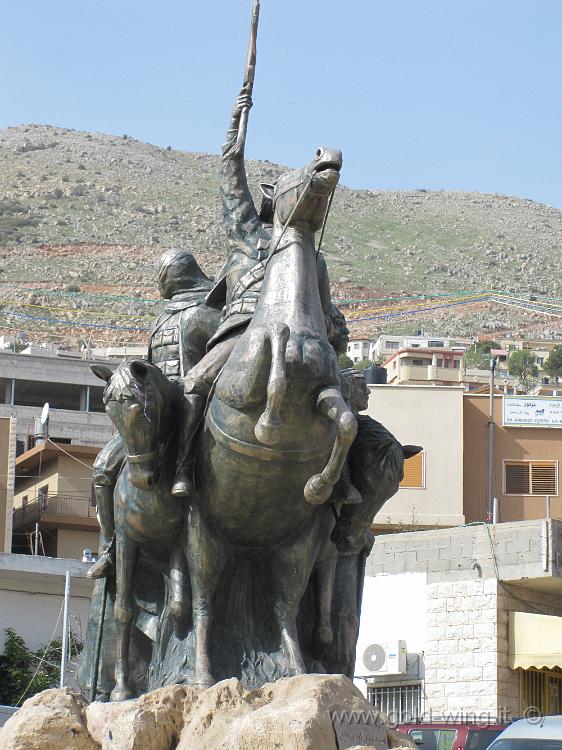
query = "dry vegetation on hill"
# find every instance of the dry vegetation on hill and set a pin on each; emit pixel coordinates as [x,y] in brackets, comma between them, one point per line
[87,213]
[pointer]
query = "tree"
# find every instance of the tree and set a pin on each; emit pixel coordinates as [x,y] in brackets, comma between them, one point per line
[24,673]
[363,364]
[553,365]
[522,365]
[479,355]
[345,361]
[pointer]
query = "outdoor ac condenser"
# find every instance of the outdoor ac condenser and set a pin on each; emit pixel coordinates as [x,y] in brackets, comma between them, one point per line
[385,658]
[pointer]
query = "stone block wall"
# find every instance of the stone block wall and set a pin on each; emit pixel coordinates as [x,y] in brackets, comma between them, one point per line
[474,578]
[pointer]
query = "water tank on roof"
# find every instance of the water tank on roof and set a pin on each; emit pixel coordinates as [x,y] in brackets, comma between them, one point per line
[376,375]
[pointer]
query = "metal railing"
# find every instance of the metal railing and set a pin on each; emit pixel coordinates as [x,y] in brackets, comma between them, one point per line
[61,505]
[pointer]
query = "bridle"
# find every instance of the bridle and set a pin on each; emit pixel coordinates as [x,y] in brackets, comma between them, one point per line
[306,181]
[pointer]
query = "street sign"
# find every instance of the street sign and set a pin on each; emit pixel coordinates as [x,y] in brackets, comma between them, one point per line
[532,411]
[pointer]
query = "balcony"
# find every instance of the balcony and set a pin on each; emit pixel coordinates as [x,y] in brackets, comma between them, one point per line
[58,511]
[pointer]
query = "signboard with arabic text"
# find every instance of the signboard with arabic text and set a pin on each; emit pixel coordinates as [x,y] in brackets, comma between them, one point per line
[532,411]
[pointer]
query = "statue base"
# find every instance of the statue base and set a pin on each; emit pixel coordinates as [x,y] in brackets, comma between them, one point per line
[309,712]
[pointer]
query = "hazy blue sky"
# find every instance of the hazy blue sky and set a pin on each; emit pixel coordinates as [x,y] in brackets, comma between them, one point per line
[440,94]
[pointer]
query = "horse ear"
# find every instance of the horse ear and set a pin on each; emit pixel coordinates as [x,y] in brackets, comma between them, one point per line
[411,450]
[138,369]
[102,372]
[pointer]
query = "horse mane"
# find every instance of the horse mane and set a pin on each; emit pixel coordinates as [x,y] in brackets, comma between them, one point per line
[373,438]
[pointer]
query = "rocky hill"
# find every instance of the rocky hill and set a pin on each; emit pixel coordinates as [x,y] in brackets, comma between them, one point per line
[87,213]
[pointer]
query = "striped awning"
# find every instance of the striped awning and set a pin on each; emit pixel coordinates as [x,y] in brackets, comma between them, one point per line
[534,641]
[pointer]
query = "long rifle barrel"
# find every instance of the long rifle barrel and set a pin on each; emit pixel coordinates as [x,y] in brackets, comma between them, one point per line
[249,74]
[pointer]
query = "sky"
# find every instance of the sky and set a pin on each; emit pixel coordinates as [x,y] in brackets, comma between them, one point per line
[434,94]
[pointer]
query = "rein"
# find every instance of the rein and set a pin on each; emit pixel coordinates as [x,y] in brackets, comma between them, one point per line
[306,181]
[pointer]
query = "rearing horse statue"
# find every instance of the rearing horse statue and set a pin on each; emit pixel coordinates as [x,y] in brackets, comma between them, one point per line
[277,430]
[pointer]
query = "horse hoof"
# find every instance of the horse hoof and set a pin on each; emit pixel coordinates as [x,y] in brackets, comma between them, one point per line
[317,490]
[119,694]
[268,434]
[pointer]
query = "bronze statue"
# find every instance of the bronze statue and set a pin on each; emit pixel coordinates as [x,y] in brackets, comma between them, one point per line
[178,340]
[245,557]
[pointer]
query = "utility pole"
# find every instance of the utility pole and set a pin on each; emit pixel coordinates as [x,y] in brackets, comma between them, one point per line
[65,629]
[490,504]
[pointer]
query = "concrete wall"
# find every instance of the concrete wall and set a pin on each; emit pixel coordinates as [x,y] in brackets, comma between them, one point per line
[71,544]
[75,478]
[7,463]
[82,428]
[430,416]
[32,593]
[515,443]
[47,477]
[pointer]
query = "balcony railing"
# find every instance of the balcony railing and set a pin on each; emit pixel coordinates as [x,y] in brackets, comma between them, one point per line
[59,505]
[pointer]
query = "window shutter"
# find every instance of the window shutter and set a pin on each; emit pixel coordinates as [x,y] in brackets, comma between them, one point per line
[413,471]
[531,478]
[543,479]
[517,479]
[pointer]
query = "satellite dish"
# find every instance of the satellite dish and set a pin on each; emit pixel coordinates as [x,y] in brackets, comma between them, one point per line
[45,414]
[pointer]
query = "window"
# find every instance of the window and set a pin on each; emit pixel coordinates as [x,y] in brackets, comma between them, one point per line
[434,344]
[419,362]
[391,344]
[401,703]
[434,739]
[530,478]
[540,360]
[439,362]
[457,364]
[414,472]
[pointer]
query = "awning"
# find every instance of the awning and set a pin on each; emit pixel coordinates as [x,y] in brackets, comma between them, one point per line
[534,641]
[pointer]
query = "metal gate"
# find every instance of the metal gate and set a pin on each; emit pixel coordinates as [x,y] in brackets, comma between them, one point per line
[401,703]
[541,689]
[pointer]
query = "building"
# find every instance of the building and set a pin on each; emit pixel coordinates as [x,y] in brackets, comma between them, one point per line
[428,365]
[386,345]
[359,349]
[53,493]
[66,383]
[472,622]
[432,491]
[463,605]
[527,455]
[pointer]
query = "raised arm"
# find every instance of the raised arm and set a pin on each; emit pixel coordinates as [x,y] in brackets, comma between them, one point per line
[237,202]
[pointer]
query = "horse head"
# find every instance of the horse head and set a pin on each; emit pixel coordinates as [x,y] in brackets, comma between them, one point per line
[137,400]
[301,197]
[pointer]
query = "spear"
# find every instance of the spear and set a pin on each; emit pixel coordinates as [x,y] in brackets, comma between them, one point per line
[249,73]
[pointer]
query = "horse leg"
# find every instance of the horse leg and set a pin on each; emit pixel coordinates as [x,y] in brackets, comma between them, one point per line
[268,428]
[207,557]
[331,404]
[325,576]
[126,553]
[178,588]
[291,567]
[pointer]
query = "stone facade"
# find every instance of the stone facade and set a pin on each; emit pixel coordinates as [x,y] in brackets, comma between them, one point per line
[475,575]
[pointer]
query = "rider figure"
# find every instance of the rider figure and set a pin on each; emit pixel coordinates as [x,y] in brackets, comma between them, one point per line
[177,342]
[237,290]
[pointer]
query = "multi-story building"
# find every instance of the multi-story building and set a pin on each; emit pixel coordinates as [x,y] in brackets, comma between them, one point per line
[424,365]
[359,349]
[387,344]
[53,496]
[480,592]
[64,381]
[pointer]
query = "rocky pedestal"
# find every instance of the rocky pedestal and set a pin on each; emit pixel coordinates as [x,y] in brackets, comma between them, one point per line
[292,714]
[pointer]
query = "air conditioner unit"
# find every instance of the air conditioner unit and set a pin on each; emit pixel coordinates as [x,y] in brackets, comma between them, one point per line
[385,658]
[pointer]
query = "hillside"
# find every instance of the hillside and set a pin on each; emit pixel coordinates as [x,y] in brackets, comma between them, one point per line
[84,214]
